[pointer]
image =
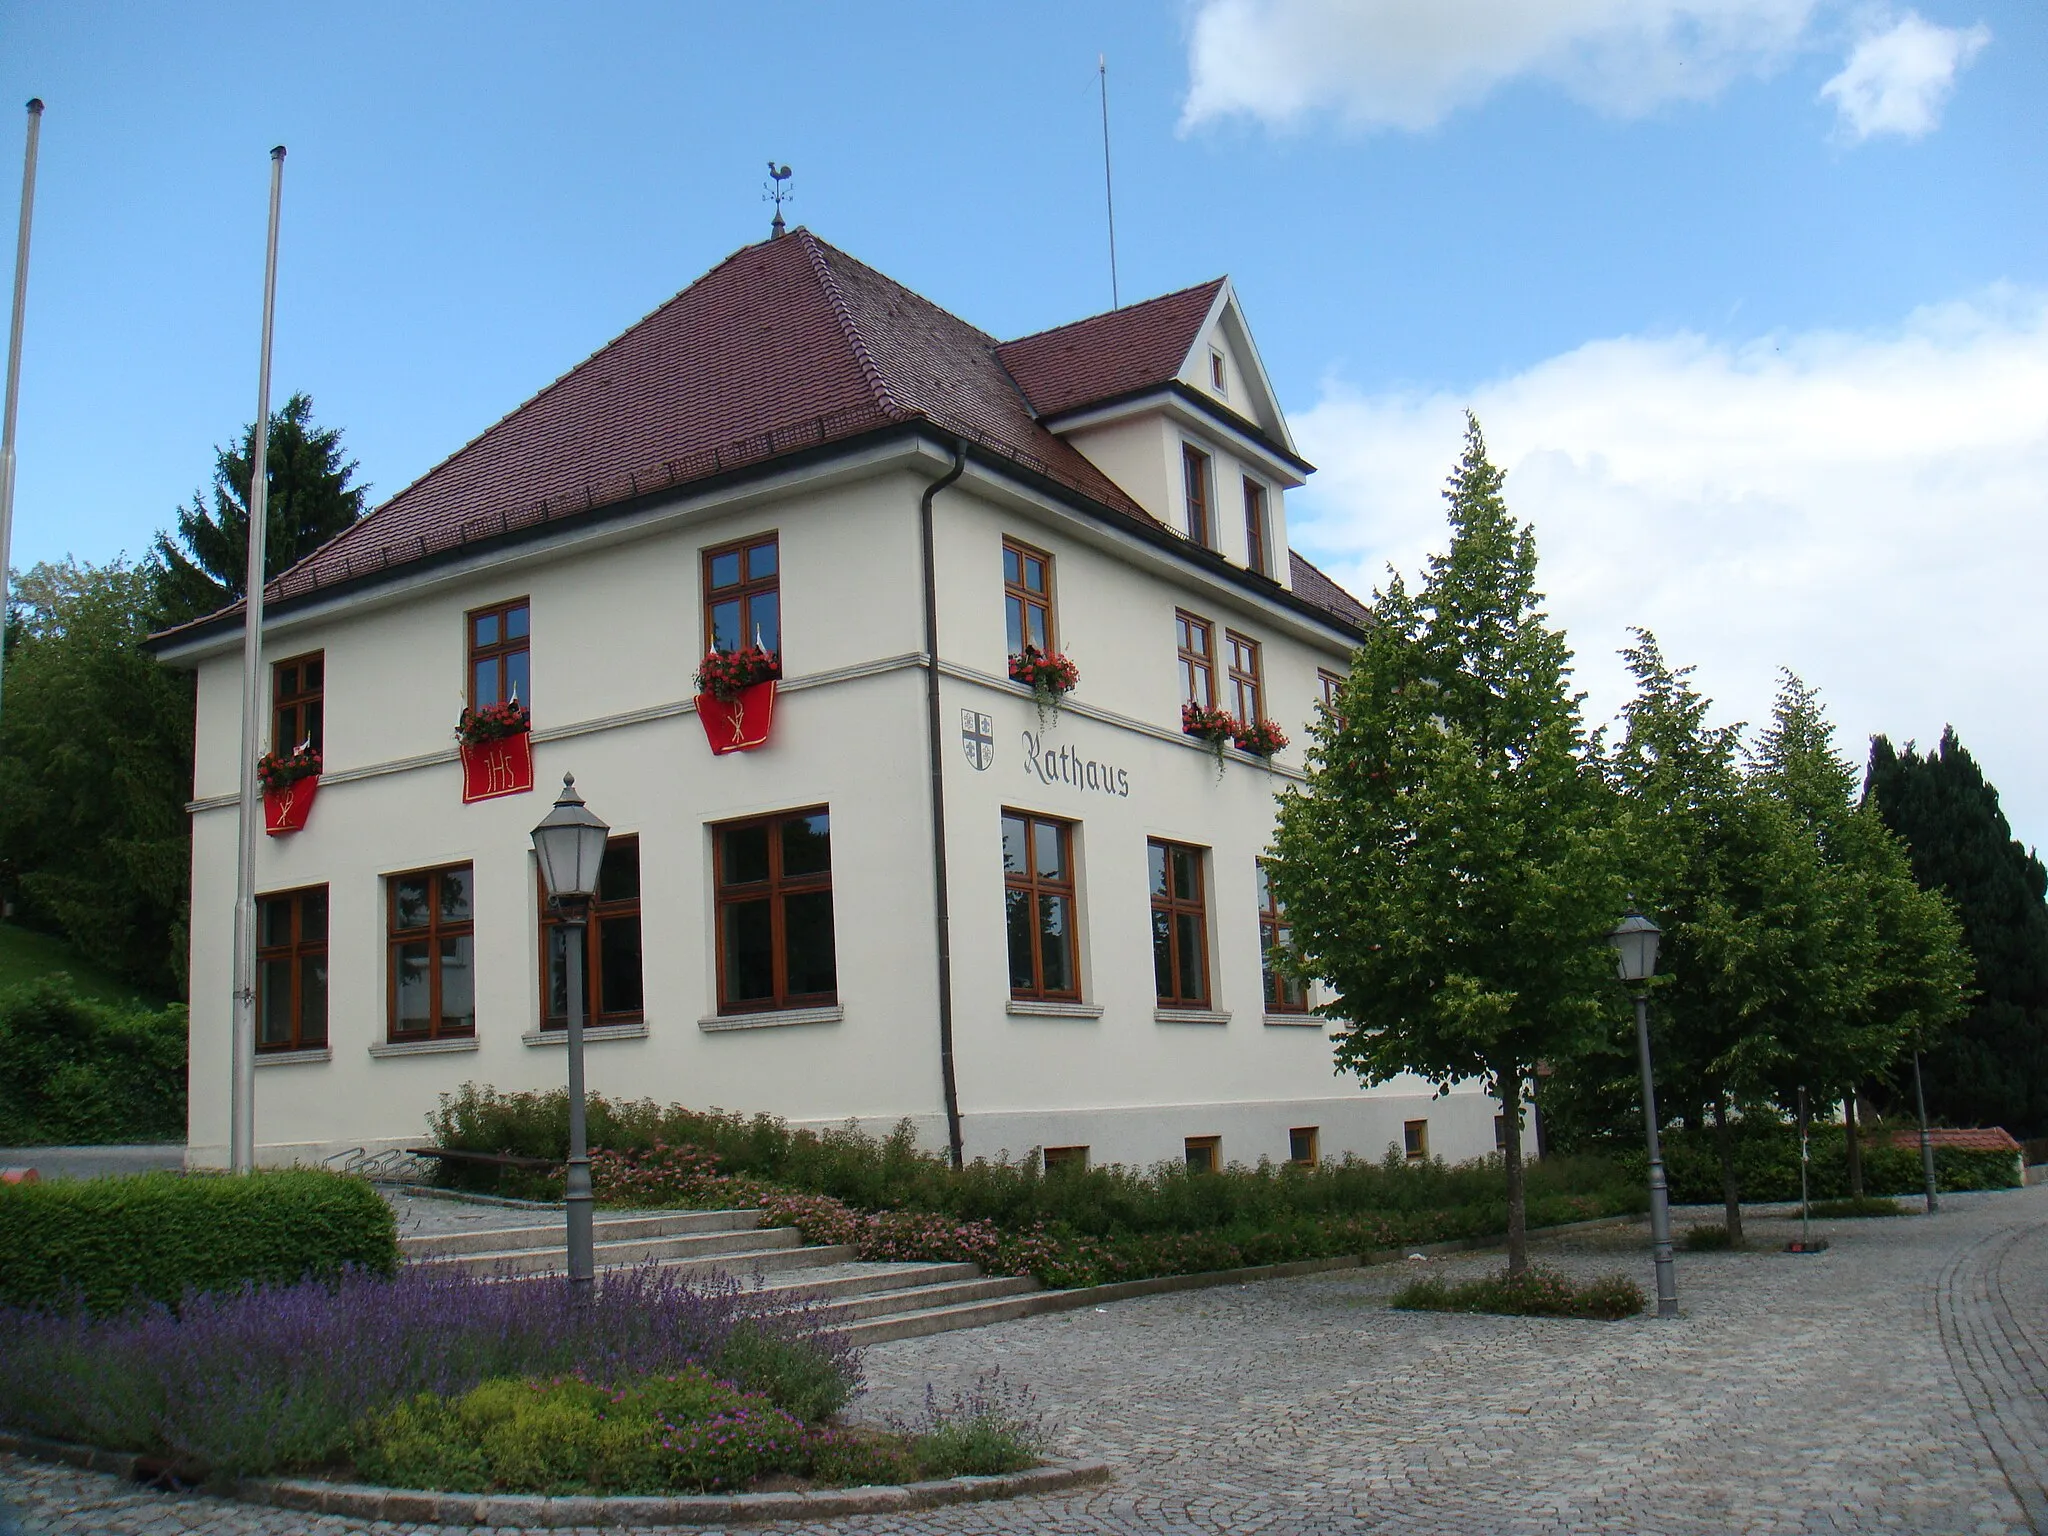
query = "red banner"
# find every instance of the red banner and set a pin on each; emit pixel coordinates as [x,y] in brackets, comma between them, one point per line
[738,724]
[285,810]
[494,768]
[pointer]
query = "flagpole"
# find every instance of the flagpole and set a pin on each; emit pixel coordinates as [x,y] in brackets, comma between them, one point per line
[249,823]
[28,203]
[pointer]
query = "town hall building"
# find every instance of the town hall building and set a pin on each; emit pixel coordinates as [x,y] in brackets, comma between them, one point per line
[895,881]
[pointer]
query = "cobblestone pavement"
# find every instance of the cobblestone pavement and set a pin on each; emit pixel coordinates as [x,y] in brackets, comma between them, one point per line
[1892,1384]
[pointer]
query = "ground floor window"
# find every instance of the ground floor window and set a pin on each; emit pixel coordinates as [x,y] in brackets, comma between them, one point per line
[291,970]
[1204,1154]
[1302,1146]
[1066,1159]
[1180,926]
[1284,993]
[611,959]
[1038,903]
[773,877]
[1415,1139]
[431,985]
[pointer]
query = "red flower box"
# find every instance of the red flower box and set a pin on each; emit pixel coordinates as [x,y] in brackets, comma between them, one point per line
[285,810]
[502,766]
[741,723]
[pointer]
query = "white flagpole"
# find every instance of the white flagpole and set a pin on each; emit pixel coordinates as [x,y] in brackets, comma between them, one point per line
[242,1096]
[28,204]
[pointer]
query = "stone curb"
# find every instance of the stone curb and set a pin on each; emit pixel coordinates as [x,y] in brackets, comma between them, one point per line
[362,1501]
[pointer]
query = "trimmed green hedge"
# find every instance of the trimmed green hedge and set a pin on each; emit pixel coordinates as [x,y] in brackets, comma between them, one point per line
[76,1070]
[1767,1163]
[153,1237]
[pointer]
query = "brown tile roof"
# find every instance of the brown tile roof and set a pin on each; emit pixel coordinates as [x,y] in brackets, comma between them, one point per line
[1962,1138]
[1313,586]
[1110,354]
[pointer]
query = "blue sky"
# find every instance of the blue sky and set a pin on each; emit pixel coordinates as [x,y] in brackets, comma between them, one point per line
[1761,352]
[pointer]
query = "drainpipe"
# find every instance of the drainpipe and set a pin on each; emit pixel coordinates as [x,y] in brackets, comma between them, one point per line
[941,911]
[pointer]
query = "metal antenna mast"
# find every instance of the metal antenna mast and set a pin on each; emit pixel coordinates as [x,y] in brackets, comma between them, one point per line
[777,192]
[1108,187]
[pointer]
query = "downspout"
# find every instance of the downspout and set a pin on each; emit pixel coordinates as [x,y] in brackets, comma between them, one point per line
[941,910]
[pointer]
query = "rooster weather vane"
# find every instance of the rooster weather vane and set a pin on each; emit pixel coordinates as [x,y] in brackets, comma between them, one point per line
[776,190]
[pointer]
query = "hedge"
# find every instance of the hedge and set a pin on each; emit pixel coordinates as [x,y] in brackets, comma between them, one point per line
[76,1070]
[110,1242]
[1767,1165]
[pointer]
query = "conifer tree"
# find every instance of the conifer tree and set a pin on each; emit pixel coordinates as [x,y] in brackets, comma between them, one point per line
[1450,868]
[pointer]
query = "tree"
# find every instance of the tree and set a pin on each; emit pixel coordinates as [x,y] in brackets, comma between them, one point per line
[95,768]
[1991,1066]
[1449,868]
[205,568]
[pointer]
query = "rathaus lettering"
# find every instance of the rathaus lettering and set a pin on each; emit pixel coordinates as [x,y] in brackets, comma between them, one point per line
[1063,765]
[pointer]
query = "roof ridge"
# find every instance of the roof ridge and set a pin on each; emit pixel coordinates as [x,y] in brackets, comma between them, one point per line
[835,296]
[1121,309]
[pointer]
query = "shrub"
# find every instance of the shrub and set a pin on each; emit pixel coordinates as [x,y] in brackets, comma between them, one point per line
[798,1368]
[1767,1163]
[1868,1206]
[1707,1239]
[156,1236]
[991,1428]
[76,1070]
[1536,1292]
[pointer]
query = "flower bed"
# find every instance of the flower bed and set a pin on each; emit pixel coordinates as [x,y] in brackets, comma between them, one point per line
[1536,1292]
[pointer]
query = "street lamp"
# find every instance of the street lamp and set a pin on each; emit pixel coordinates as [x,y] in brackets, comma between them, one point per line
[1635,947]
[570,846]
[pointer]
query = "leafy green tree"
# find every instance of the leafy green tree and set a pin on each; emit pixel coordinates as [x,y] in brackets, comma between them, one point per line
[1450,868]
[95,768]
[205,566]
[1991,1066]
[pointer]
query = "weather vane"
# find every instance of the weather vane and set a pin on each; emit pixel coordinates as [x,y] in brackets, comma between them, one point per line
[776,191]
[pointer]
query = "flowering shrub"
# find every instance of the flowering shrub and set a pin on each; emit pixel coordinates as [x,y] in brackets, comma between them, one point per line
[493,722]
[724,673]
[278,769]
[1049,675]
[991,1428]
[1204,723]
[1536,1292]
[1261,738]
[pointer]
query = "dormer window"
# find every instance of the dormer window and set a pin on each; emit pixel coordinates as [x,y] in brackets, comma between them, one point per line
[1256,554]
[1195,472]
[1218,379]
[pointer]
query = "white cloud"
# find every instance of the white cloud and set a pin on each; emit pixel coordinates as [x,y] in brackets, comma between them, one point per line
[1899,79]
[1868,509]
[1410,63]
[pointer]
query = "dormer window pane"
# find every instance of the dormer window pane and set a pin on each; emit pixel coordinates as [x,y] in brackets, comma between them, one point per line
[1217,378]
[1195,471]
[1255,554]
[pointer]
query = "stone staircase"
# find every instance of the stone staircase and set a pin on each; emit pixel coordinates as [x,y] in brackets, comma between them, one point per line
[866,1303]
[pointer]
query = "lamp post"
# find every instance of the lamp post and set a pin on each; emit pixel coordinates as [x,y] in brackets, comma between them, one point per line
[570,846]
[1635,947]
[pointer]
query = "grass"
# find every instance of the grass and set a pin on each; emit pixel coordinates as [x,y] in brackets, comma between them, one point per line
[1869,1205]
[1709,1238]
[1536,1292]
[26,956]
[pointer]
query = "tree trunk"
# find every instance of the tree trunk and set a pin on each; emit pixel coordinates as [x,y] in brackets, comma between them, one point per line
[1511,1112]
[1731,1188]
[1854,1140]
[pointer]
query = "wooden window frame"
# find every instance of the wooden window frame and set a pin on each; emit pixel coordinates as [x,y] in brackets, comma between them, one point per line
[1314,1135]
[1197,486]
[1210,1146]
[1174,905]
[777,887]
[745,590]
[1247,685]
[1331,682]
[593,950]
[437,929]
[1258,556]
[1415,1140]
[1017,592]
[1272,922]
[1063,1160]
[504,647]
[1219,374]
[294,950]
[1195,662]
[297,703]
[1033,885]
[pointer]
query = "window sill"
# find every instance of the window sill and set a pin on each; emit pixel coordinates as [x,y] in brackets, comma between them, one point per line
[718,1023]
[1189,1016]
[1034,1008]
[423,1047]
[591,1033]
[294,1058]
[1295,1021]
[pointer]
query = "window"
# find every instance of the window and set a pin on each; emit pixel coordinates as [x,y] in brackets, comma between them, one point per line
[1284,993]
[1204,1154]
[1415,1139]
[1256,554]
[295,689]
[432,957]
[1197,658]
[611,955]
[1180,926]
[743,595]
[1330,682]
[1194,467]
[1245,701]
[1302,1143]
[1066,1160]
[291,970]
[1218,379]
[498,669]
[774,880]
[1027,597]
[1038,901]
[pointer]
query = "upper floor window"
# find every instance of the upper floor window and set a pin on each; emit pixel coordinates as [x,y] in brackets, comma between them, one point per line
[431,944]
[291,970]
[774,888]
[1197,640]
[1038,901]
[1219,380]
[295,699]
[1256,553]
[743,595]
[1180,926]
[1194,466]
[1330,683]
[1246,704]
[1284,993]
[499,669]
[611,936]
[1027,598]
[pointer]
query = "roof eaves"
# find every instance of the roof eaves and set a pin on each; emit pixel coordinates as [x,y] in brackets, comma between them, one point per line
[1201,402]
